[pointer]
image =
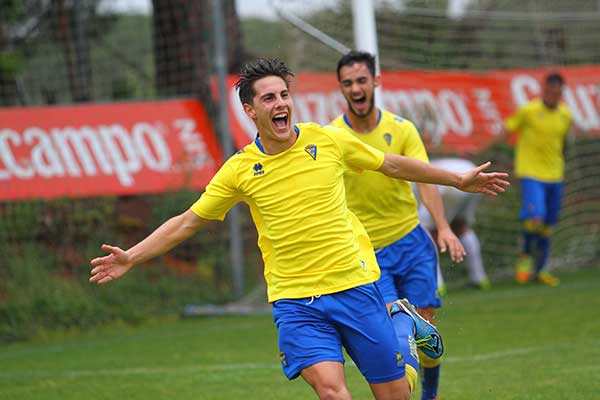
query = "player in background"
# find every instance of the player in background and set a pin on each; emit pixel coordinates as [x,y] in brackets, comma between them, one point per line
[387,207]
[461,209]
[319,264]
[543,124]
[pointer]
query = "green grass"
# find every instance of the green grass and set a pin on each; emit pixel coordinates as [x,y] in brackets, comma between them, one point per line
[513,342]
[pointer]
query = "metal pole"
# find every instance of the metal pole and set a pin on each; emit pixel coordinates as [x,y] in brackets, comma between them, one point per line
[235,232]
[365,35]
[312,31]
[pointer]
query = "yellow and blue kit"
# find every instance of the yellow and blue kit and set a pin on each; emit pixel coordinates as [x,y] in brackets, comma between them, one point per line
[540,164]
[319,263]
[539,159]
[388,209]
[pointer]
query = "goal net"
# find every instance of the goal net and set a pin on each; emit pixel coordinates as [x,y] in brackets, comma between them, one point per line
[479,36]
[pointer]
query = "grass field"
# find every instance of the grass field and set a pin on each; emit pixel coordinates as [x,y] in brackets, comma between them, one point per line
[528,342]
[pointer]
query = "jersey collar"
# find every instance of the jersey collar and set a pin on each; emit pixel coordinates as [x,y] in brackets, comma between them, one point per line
[347,121]
[259,144]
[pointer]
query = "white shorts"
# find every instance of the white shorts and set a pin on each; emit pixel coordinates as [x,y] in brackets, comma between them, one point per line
[457,204]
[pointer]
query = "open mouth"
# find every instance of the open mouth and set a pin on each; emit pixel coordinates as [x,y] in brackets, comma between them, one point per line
[359,100]
[359,104]
[280,121]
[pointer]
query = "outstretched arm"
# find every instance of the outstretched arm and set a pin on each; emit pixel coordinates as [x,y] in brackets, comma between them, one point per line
[474,181]
[118,262]
[446,239]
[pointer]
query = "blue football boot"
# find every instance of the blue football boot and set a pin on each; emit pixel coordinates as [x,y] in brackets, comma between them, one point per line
[428,339]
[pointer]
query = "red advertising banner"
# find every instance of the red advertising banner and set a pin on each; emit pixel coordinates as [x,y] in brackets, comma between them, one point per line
[127,148]
[105,149]
[461,111]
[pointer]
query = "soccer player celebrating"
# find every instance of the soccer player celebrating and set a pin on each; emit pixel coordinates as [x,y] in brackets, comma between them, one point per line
[319,264]
[388,209]
[543,125]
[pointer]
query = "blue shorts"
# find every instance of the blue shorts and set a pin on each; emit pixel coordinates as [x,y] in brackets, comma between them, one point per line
[314,329]
[540,200]
[409,269]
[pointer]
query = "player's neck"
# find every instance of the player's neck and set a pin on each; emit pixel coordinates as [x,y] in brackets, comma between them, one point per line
[273,146]
[364,124]
[553,106]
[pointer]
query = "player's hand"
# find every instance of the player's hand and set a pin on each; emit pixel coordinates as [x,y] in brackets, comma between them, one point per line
[110,267]
[477,181]
[447,240]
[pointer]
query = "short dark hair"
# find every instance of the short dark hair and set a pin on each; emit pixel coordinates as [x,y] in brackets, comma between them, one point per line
[257,69]
[555,79]
[353,57]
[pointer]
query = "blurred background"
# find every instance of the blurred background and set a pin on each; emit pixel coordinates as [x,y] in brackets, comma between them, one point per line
[68,52]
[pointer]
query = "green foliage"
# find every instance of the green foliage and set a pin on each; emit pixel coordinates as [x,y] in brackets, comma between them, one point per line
[10,64]
[122,56]
[11,10]
[37,299]
[276,46]
[46,247]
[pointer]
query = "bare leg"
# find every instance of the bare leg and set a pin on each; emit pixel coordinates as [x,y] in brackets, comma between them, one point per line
[393,390]
[328,380]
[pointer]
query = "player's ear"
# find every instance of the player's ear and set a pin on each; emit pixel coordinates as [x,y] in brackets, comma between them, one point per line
[249,110]
[377,80]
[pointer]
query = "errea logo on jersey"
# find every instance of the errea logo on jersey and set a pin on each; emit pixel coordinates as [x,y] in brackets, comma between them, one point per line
[258,169]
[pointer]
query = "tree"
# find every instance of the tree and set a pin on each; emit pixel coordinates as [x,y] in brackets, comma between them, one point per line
[69,30]
[183,46]
[10,60]
[22,22]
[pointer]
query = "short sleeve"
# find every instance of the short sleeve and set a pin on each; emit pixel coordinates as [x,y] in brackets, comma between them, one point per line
[356,154]
[413,146]
[220,195]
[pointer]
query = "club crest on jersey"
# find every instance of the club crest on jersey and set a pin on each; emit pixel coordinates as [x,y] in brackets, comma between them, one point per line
[311,149]
[258,169]
[388,138]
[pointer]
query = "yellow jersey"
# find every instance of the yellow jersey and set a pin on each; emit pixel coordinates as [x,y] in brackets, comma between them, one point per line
[386,206]
[311,243]
[539,147]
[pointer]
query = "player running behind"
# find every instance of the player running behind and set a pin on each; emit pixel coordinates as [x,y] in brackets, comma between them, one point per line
[387,207]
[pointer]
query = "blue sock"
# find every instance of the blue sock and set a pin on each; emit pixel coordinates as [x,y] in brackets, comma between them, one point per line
[404,327]
[543,252]
[529,239]
[431,380]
